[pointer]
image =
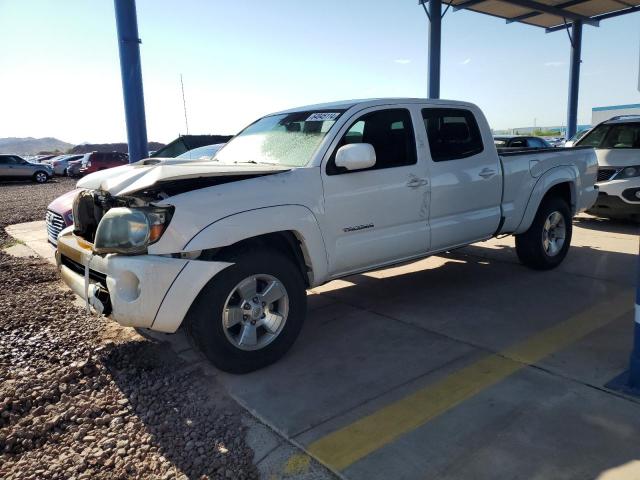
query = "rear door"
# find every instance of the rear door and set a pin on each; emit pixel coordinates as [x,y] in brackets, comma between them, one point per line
[466,179]
[377,215]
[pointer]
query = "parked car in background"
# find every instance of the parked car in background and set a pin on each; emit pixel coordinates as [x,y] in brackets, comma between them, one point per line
[201,153]
[95,161]
[617,145]
[49,160]
[184,143]
[520,141]
[42,158]
[226,248]
[577,136]
[60,215]
[60,164]
[73,167]
[14,167]
[555,141]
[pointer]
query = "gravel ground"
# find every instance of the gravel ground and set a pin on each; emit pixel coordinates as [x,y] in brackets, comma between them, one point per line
[81,397]
[27,201]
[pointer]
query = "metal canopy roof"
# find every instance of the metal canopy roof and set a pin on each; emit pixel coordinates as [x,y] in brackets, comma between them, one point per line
[550,14]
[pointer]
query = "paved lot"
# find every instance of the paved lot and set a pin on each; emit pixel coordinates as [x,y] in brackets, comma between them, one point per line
[465,365]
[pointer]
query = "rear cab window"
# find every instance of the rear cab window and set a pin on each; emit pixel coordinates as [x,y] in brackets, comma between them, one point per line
[453,133]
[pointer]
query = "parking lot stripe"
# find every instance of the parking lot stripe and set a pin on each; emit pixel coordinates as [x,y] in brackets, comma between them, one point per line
[353,442]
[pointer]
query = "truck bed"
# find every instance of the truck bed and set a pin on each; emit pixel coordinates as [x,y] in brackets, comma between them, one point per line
[524,167]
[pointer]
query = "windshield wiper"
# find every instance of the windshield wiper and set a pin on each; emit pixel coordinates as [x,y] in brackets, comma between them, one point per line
[255,163]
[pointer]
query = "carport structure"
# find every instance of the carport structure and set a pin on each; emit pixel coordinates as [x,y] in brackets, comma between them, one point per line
[552,15]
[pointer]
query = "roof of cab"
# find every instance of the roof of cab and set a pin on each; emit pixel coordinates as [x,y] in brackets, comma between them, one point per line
[372,102]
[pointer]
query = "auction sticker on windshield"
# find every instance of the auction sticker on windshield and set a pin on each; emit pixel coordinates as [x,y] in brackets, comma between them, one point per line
[322,116]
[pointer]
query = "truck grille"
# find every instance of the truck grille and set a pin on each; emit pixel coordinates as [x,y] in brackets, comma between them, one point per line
[605,174]
[55,223]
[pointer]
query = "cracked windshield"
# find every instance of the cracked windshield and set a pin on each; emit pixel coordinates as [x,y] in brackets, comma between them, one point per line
[288,139]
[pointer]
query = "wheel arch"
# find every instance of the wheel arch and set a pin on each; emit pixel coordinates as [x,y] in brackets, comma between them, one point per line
[559,181]
[291,229]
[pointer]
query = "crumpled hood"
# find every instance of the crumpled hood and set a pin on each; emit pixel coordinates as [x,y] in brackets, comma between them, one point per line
[141,175]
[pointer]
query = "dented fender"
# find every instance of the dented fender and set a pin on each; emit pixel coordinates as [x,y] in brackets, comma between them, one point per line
[297,219]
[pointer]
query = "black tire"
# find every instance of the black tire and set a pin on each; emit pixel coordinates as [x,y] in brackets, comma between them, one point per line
[204,319]
[40,177]
[530,245]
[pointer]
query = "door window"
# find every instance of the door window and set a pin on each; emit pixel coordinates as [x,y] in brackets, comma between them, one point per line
[518,143]
[390,132]
[536,143]
[9,160]
[453,133]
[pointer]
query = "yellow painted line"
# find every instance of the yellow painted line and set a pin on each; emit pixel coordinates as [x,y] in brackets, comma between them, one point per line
[351,443]
[297,464]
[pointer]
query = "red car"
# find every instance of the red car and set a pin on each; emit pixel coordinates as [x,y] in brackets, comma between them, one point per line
[94,161]
[60,215]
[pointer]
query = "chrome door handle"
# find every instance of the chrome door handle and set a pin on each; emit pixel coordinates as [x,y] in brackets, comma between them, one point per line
[417,182]
[487,173]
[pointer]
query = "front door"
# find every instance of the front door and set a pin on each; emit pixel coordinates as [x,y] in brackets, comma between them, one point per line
[466,178]
[376,215]
[10,166]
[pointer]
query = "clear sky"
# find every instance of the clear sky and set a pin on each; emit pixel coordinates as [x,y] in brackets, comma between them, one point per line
[60,77]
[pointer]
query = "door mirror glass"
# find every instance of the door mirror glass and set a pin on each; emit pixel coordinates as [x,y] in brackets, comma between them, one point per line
[356,156]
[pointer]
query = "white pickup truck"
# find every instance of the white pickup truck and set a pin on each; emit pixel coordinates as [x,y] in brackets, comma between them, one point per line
[227,247]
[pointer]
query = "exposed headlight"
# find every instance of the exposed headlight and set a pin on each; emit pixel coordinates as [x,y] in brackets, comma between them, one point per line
[68,217]
[628,172]
[131,230]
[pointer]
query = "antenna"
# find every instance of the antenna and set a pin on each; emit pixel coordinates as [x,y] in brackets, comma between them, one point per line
[184,105]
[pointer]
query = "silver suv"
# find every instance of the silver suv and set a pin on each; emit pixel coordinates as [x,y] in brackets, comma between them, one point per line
[13,167]
[617,145]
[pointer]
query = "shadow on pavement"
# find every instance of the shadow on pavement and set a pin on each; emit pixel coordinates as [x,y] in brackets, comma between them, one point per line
[607,225]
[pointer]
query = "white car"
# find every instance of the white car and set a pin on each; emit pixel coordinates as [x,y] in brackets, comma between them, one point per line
[61,163]
[206,152]
[226,247]
[617,145]
[574,139]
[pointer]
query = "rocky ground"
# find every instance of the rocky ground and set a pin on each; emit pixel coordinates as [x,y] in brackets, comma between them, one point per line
[81,397]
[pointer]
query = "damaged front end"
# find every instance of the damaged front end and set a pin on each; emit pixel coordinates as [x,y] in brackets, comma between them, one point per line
[104,225]
[104,257]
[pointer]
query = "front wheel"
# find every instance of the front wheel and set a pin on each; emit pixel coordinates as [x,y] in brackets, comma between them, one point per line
[40,177]
[250,314]
[547,241]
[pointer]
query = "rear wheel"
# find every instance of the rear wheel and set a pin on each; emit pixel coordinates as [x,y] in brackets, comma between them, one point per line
[547,241]
[250,314]
[40,177]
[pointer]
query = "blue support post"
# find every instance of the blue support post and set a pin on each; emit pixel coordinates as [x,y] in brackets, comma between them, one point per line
[435,42]
[634,362]
[131,71]
[574,78]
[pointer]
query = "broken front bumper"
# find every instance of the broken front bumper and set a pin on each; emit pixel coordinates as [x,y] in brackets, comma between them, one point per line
[148,291]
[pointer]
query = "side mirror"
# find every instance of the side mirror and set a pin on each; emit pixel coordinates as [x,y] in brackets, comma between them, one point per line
[356,156]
